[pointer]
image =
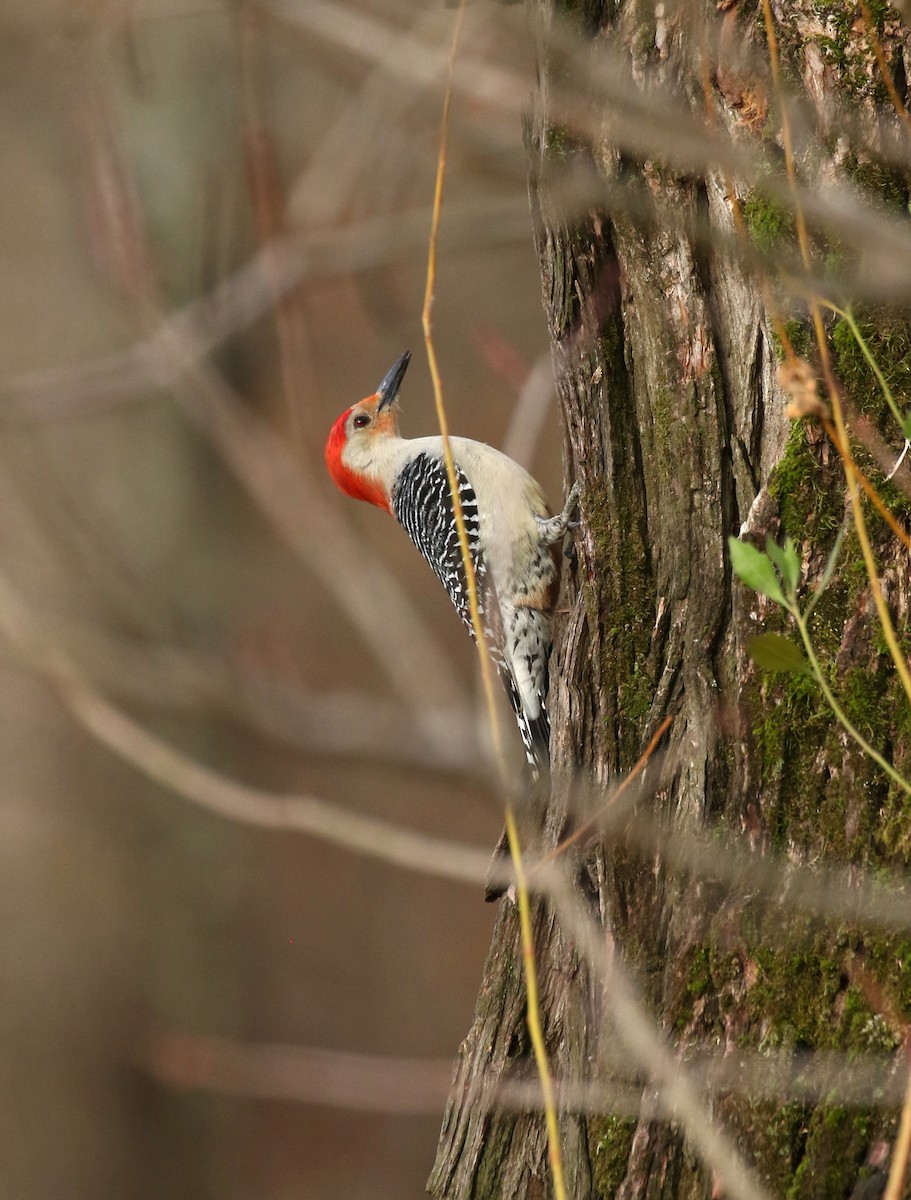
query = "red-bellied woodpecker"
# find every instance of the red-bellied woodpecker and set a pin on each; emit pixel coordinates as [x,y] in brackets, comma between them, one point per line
[513,539]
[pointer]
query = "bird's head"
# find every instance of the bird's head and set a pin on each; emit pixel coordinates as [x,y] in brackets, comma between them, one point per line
[352,449]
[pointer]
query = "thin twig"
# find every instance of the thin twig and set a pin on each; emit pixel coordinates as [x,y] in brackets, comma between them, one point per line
[216,793]
[597,817]
[533,1008]
[900,459]
[897,102]
[902,1148]
[841,443]
[678,1089]
[876,500]
[398,1084]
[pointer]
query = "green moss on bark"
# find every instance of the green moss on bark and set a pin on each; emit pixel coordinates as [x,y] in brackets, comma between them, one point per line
[835,1146]
[823,798]
[769,223]
[800,335]
[615,526]
[810,503]
[610,1139]
[889,340]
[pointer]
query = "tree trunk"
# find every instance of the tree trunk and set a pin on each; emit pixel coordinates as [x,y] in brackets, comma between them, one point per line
[666,367]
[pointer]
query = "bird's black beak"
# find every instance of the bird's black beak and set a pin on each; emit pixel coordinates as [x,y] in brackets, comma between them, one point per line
[392,381]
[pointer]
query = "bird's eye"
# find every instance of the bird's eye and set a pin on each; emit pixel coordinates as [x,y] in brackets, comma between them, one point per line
[361,420]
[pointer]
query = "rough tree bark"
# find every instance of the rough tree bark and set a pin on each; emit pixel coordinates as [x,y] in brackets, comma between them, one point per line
[666,367]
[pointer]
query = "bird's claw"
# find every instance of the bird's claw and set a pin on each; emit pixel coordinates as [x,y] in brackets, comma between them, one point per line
[553,529]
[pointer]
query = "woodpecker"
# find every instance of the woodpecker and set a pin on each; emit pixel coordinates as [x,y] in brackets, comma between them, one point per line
[513,539]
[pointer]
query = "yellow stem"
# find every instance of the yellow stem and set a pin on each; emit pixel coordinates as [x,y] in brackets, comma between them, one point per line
[531,980]
[533,1006]
[875,498]
[896,99]
[593,820]
[900,1151]
[860,525]
[841,444]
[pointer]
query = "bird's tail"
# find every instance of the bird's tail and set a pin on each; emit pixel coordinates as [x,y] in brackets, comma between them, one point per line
[535,733]
[536,739]
[534,730]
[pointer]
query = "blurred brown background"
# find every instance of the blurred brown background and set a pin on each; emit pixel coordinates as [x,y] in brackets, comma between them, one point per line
[149,150]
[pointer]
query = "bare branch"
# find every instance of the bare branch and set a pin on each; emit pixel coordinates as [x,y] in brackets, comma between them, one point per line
[375,1083]
[202,325]
[214,792]
[851,895]
[350,724]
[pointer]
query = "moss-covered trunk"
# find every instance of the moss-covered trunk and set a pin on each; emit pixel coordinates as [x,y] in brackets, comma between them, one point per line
[675,425]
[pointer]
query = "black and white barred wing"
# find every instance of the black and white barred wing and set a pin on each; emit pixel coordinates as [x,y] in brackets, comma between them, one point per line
[422,504]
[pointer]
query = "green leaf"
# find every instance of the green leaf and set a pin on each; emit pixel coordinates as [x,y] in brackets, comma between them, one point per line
[755,569]
[786,560]
[906,426]
[773,652]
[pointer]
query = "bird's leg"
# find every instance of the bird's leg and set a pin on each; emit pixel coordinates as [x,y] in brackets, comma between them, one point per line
[553,529]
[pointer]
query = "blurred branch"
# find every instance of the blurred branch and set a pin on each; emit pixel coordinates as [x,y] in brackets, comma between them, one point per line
[214,792]
[203,324]
[350,724]
[536,396]
[648,123]
[360,1082]
[902,1148]
[54,526]
[364,139]
[266,189]
[645,121]
[678,1095]
[678,1090]
[392,629]
[850,896]
[400,847]
[374,1083]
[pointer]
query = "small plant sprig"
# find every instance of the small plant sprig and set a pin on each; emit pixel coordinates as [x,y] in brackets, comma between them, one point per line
[776,574]
[903,420]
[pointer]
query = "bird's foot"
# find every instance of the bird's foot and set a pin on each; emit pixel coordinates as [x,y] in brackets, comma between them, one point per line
[553,529]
